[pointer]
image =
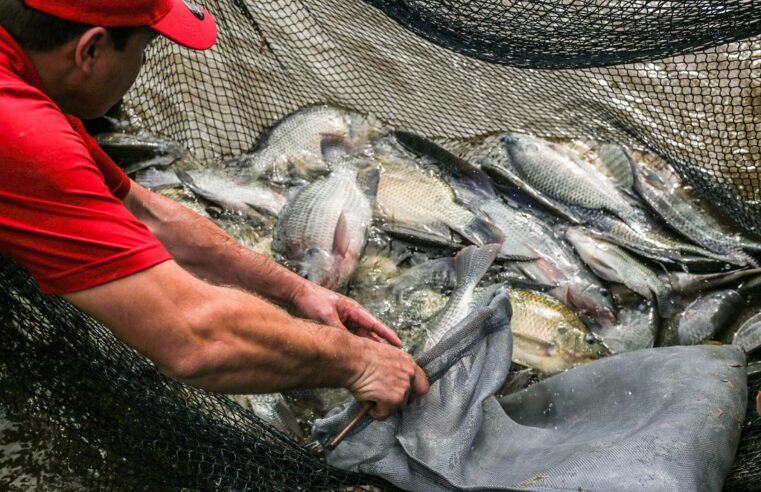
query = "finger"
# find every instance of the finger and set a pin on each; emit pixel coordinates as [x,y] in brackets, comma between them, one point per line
[420,385]
[381,411]
[371,335]
[355,316]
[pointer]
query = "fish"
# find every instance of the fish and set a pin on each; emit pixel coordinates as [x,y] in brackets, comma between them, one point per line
[637,328]
[137,152]
[305,142]
[613,264]
[559,174]
[273,409]
[748,335]
[155,179]
[664,192]
[691,283]
[419,204]
[547,336]
[707,315]
[237,195]
[552,264]
[322,232]
[471,264]
[611,159]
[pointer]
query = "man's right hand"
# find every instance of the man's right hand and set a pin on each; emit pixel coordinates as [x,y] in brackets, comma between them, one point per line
[387,376]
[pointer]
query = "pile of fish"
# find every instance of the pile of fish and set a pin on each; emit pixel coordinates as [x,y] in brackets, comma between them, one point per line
[601,249]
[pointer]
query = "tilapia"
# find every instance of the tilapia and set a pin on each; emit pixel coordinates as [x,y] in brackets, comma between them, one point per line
[305,142]
[561,175]
[417,203]
[323,230]
[707,315]
[611,159]
[238,195]
[273,409]
[547,336]
[748,335]
[471,265]
[691,283]
[611,263]
[636,329]
[155,179]
[136,152]
[663,191]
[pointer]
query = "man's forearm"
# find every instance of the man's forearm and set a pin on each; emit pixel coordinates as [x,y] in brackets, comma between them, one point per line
[201,247]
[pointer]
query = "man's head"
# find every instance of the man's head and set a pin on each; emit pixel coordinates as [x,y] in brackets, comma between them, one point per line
[89,53]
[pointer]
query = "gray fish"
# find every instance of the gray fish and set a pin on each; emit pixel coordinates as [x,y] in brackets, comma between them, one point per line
[691,283]
[471,265]
[611,159]
[155,179]
[421,203]
[662,189]
[748,335]
[611,263]
[323,230]
[561,175]
[707,315]
[273,409]
[306,141]
[136,152]
[238,195]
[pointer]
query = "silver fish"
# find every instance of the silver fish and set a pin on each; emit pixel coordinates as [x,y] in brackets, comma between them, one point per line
[636,329]
[561,175]
[306,141]
[611,159]
[155,179]
[691,283]
[421,203]
[137,152]
[662,189]
[323,230]
[238,195]
[748,335]
[273,409]
[707,315]
[611,263]
[471,265]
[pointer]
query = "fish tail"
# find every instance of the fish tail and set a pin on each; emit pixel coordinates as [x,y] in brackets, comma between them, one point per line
[482,232]
[471,263]
[667,306]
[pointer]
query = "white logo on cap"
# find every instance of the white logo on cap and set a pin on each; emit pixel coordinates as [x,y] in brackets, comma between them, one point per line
[194,9]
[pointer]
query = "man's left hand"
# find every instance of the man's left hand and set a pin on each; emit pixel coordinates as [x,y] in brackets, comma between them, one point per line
[330,308]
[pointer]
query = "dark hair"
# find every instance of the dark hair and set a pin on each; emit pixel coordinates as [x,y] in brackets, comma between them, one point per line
[37,31]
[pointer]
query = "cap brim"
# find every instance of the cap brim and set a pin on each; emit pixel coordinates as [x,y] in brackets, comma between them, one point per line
[183,26]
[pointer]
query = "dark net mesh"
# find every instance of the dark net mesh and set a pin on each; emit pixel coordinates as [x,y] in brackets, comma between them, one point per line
[677,78]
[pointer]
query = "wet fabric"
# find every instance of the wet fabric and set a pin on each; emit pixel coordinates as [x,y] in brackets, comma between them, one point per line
[657,419]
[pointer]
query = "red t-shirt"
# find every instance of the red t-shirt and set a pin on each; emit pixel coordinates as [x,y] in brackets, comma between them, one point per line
[61,214]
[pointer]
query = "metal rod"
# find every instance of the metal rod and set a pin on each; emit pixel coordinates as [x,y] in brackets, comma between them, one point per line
[366,406]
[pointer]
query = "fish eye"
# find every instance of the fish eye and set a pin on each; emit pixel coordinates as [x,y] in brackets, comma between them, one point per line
[590,338]
[312,251]
[604,292]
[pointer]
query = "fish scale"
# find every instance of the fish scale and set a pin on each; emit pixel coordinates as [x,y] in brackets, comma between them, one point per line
[564,176]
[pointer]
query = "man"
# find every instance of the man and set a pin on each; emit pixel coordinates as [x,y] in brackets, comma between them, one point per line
[166,281]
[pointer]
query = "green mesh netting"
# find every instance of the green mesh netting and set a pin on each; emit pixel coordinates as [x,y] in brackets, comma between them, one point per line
[678,78]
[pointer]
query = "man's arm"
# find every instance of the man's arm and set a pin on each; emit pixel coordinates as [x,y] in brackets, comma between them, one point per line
[204,249]
[227,340]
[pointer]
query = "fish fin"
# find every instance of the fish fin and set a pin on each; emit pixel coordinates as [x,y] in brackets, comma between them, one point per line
[471,263]
[368,180]
[434,234]
[480,232]
[341,236]
[334,146]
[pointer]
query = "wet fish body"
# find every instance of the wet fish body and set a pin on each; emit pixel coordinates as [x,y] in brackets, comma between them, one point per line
[306,141]
[243,196]
[637,328]
[547,335]
[707,315]
[413,200]
[561,175]
[323,230]
[748,335]
[611,263]
[273,409]
[471,265]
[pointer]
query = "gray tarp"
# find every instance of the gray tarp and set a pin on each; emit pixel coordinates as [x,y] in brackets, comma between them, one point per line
[657,419]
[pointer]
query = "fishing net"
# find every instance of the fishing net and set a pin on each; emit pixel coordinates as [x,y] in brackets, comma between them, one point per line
[676,78]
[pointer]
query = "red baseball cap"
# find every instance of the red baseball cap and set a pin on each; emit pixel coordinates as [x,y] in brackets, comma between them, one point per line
[179,20]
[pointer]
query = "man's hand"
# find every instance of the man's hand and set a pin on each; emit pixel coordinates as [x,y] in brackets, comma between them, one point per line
[327,307]
[389,378]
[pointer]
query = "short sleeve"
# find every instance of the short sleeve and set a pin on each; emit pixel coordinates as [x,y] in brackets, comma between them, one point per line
[60,212]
